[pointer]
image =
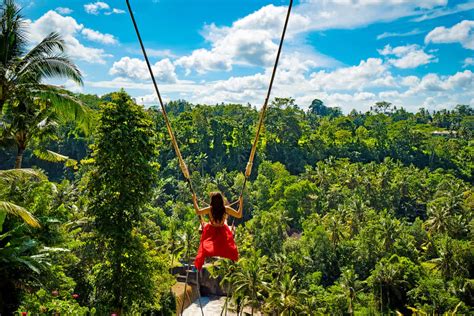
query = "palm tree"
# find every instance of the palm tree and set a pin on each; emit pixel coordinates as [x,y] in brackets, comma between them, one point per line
[350,285]
[224,269]
[285,297]
[249,281]
[388,231]
[29,106]
[6,177]
[335,226]
[439,219]
[447,262]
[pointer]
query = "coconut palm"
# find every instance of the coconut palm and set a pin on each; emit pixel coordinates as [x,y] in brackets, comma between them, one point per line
[249,280]
[350,285]
[285,297]
[9,208]
[439,218]
[447,262]
[28,105]
[388,231]
[335,226]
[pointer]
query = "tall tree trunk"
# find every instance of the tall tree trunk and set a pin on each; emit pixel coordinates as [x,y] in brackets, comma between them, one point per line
[19,156]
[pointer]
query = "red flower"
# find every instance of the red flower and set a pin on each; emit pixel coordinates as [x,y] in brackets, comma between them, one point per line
[24,313]
[55,293]
[75,296]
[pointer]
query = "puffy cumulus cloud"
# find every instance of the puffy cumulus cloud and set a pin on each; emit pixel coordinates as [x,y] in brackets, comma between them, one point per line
[432,83]
[134,68]
[95,8]
[68,27]
[355,13]
[63,10]
[369,73]
[250,41]
[411,92]
[242,89]
[462,33]
[409,56]
[203,60]
[98,37]
[356,87]
[410,81]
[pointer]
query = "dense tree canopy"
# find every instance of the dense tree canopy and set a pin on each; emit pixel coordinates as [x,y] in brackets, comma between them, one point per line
[366,212]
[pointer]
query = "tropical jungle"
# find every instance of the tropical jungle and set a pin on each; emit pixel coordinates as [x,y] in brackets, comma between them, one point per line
[359,213]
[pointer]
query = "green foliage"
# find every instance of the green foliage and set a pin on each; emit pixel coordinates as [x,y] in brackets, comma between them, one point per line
[390,281]
[127,275]
[29,108]
[345,214]
[42,302]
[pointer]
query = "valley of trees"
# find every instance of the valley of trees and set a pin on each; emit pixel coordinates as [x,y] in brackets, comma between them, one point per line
[360,213]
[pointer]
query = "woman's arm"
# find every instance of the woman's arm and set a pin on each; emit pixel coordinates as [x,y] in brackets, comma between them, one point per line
[200,211]
[237,214]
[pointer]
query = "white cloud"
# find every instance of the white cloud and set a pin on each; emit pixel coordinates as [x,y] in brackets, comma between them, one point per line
[410,92]
[462,33]
[250,41]
[409,56]
[469,61]
[395,34]
[68,27]
[460,81]
[347,14]
[73,86]
[253,39]
[63,10]
[150,99]
[203,60]
[410,81]
[134,68]
[370,73]
[439,12]
[95,8]
[96,36]
[118,11]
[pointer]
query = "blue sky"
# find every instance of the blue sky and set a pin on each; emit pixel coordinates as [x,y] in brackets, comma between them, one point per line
[348,53]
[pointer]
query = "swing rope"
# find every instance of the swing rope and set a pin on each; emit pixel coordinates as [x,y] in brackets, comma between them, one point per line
[248,169]
[182,163]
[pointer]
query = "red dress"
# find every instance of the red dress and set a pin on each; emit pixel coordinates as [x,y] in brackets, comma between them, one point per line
[216,241]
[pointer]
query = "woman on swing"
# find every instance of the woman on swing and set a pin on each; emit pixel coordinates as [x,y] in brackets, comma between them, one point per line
[217,239]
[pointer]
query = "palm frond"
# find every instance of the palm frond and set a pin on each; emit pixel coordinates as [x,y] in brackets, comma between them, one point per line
[45,67]
[50,45]
[66,106]
[49,155]
[18,174]
[16,210]
[12,32]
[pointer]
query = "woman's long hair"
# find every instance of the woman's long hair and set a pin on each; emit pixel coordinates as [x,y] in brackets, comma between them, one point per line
[217,206]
